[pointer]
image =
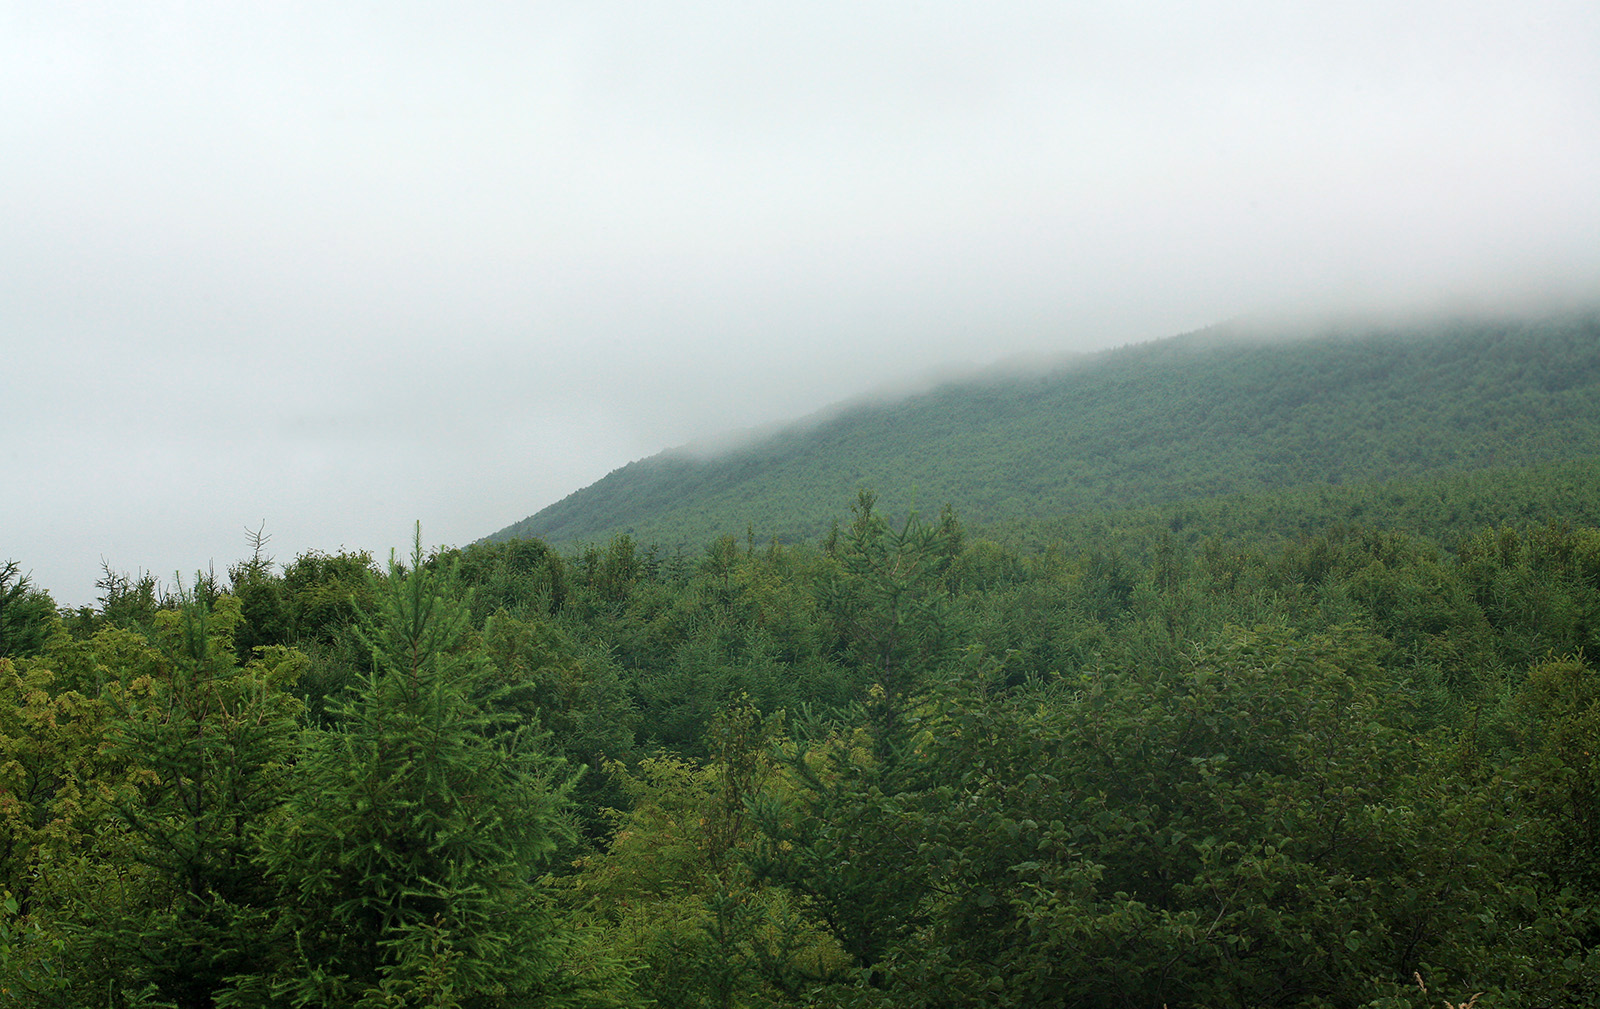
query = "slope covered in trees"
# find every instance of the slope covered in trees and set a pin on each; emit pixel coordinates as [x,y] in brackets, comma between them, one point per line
[1326,745]
[906,766]
[1223,411]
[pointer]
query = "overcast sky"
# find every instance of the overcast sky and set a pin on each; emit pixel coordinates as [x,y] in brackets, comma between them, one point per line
[340,266]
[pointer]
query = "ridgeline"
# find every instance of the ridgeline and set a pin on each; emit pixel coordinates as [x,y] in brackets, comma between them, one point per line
[1225,411]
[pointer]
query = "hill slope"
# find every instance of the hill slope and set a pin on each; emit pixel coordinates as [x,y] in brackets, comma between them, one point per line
[1222,411]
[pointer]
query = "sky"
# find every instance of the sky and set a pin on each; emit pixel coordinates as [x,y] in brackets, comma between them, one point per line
[330,269]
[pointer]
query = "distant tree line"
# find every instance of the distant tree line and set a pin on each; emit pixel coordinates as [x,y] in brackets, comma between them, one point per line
[1215,413]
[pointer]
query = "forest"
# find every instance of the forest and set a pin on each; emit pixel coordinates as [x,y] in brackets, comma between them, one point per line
[1223,411]
[1320,748]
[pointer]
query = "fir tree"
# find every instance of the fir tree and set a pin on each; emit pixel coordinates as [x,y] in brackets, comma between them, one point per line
[418,823]
[26,613]
[209,740]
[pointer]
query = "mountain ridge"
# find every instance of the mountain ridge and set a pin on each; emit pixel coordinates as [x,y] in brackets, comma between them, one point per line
[1232,408]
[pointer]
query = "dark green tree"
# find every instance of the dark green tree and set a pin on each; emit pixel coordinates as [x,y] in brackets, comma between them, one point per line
[523,577]
[26,614]
[261,599]
[209,742]
[128,601]
[840,839]
[409,854]
[890,605]
[325,593]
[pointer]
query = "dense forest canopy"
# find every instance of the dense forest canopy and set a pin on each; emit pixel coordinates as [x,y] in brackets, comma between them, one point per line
[1334,744]
[1228,410]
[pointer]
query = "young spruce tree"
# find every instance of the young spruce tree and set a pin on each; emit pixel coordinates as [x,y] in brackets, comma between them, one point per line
[208,741]
[409,856]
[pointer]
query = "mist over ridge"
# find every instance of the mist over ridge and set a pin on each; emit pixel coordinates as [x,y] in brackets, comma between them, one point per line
[344,268]
[1240,406]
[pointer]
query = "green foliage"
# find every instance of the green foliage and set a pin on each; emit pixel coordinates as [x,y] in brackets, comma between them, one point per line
[59,788]
[688,641]
[32,970]
[26,614]
[674,889]
[522,577]
[610,574]
[1560,709]
[263,609]
[888,602]
[51,765]
[1255,828]
[324,596]
[549,682]
[211,742]
[1539,590]
[327,593]
[1214,413]
[409,846]
[128,601]
[1045,765]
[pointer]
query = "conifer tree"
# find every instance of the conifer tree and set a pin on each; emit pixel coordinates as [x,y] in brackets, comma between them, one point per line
[835,845]
[208,740]
[890,606]
[418,823]
[26,613]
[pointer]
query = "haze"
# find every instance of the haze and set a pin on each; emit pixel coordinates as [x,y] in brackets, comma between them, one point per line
[339,267]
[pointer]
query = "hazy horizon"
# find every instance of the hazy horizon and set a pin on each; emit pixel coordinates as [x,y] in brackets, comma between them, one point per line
[341,269]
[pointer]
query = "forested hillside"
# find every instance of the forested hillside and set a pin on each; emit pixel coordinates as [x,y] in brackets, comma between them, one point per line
[1276,750]
[1329,744]
[1219,412]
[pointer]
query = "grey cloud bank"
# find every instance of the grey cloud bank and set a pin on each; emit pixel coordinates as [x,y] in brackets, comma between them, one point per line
[343,266]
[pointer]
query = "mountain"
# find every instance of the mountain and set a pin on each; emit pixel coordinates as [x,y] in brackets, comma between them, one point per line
[1228,410]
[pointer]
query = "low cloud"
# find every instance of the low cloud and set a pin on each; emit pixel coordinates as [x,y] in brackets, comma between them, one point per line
[343,269]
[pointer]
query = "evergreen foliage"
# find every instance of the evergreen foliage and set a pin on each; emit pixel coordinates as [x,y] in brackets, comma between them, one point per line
[212,741]
[1224,411]
[25,613]
[410,847]
[1321,746]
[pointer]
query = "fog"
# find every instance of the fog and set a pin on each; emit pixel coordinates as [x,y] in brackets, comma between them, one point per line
[337,268]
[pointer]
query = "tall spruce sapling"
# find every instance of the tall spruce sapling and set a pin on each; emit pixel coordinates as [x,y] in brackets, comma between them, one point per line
[890,605]
[213,740]
[418,823]
[843,840]
[26,613]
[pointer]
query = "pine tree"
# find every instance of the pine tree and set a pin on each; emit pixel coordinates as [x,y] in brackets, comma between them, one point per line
[839,842]
[26,613]
[418,823]
[890,605]
[209,740]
